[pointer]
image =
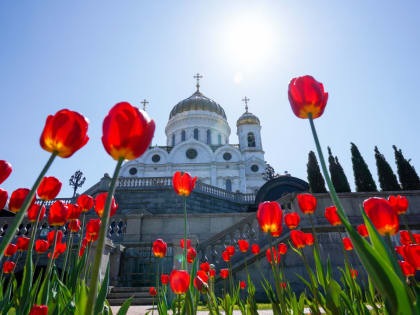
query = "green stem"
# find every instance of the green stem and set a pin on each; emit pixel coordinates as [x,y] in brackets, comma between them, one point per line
[273,268]
[404,219]
[101,242]
[33,232]
[333,193]
[314,288]
[184,262]
[50,263]
[81,233]
[68,247]
[85,267]
[21,214]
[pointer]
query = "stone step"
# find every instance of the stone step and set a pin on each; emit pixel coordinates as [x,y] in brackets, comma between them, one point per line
[125,295]
[129,289]
[135,301]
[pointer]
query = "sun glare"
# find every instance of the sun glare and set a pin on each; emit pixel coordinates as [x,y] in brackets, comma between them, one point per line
[249,40]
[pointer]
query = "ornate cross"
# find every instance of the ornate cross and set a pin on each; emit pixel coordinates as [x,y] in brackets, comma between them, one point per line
[198,77]
[144,102]
[246,100]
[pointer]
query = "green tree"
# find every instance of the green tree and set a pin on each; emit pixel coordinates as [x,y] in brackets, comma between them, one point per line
[338,177]
[269,172]
[407,174]
[363,179]
[315,179]
[387,179]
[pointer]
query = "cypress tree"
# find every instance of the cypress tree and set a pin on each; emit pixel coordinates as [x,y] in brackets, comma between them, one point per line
[363,179]
[315,179]
[407,174]
[338,177]
[387,179]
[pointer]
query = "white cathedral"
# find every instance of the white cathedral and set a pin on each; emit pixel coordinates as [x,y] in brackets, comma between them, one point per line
[198,142]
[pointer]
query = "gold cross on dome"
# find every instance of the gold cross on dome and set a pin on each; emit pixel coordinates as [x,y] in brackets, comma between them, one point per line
[246,100]
[198,77]
[144,102]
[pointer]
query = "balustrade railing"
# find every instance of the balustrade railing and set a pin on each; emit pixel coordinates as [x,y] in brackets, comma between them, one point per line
[152,182]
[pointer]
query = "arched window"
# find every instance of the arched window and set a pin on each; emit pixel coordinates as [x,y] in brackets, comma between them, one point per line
[228,185]
[208,136]
[183,135]
[196,134]
[219,139]
[251,140]
[173,139]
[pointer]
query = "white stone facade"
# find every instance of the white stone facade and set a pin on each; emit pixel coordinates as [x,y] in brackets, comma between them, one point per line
[198,142]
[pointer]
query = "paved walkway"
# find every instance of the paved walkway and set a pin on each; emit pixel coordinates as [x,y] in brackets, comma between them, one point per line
[143,309]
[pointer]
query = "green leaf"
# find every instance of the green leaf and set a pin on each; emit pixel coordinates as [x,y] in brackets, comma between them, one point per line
[333,296]
[102,293]
[124,308]
[319,269]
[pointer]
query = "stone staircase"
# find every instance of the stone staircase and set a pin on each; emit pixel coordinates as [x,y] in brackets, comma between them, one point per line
[118,295]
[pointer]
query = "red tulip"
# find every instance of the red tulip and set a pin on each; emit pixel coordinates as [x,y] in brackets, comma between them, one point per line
[307,203]
[5,170]
[188,243]
[59,249]
[159,248]
[39,310]
[22,243]
[49,188]
[212,273]
[73,212]
[51,235]
[282,248]
[225,256]
[11,249]
[348,245]
[353,273]
[292,220]
[203,277]
[3,198]
[152,291]
[411,253]
[41,246]
[127,132]
[8,266]
[255,248]
[363,230]
[405,238]
[82,249]
[230,250]
[283,285]
[224,273]
[92,229]
[276,255]
[164,279]
[407,269]
[74,225]
[278,232]
[17,198]
[398,203]
[33,212]
[332,216]
[179,281]
[100,204]
[400,250]
[309,239]
[205,266]
[242,284]
[243,246]
[191,254]
[183,183]
[298,238]
[64,133]
[383,217]
[270,216]
[85,202]
[58,214]
[307,96]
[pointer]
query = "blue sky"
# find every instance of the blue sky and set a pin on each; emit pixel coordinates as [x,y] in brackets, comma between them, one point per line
[88,55]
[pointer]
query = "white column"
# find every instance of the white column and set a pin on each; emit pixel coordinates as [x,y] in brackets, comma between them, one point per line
[213,175]
[242,178]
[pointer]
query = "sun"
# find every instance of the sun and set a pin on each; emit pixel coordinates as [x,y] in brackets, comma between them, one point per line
[248,40]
